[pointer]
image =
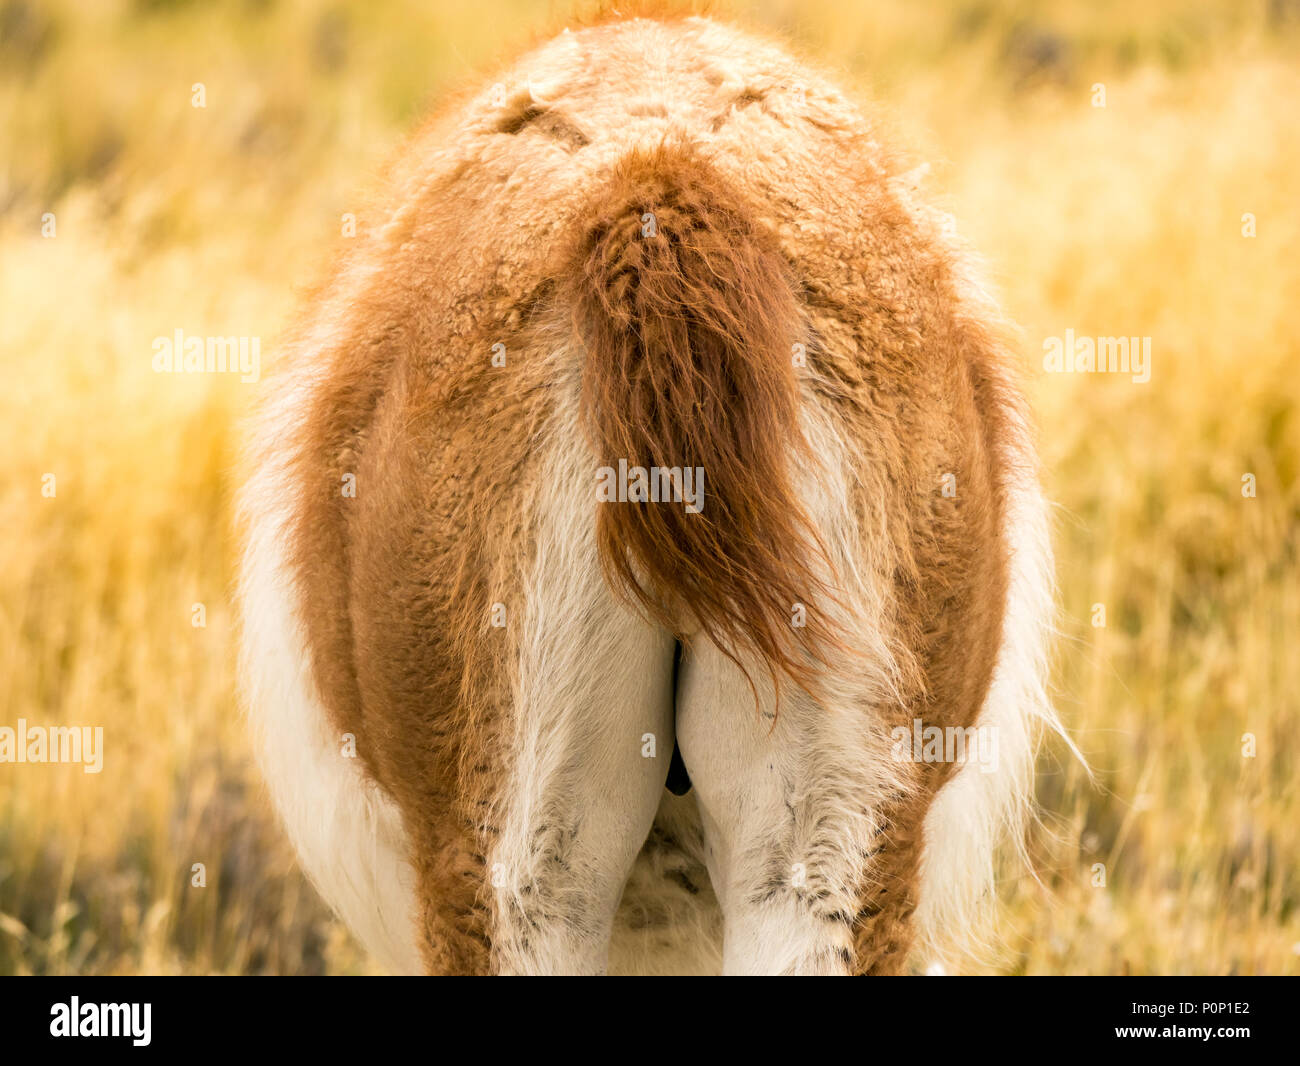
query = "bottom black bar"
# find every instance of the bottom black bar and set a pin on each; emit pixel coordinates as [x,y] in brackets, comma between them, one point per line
[144,1015]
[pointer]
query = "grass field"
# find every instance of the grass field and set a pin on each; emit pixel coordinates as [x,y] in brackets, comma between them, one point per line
[126,213]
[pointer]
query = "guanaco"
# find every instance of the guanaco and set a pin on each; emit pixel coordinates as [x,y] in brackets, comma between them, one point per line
[632,521]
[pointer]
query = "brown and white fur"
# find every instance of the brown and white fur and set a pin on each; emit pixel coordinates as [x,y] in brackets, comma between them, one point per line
[696,251]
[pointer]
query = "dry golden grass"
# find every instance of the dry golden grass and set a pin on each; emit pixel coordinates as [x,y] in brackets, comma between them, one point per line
[1117,221]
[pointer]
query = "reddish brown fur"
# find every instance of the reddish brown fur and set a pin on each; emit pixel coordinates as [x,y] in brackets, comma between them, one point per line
[689,331]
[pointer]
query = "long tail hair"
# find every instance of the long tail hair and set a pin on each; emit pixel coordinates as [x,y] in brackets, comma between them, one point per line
[690,320]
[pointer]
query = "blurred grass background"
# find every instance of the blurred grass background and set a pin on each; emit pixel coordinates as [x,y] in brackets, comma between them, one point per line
[1125,220]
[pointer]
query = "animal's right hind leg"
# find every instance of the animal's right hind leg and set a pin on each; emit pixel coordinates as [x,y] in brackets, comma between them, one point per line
[791,807]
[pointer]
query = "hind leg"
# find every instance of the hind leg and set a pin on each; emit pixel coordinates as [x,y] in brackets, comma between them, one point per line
[795,815]
[591,752]
[592,735]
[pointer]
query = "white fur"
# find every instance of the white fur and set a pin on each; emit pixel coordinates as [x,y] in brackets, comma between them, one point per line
[348,834]
[593,680]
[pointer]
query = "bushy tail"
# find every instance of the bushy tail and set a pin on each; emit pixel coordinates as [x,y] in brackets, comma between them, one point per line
[690,322]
